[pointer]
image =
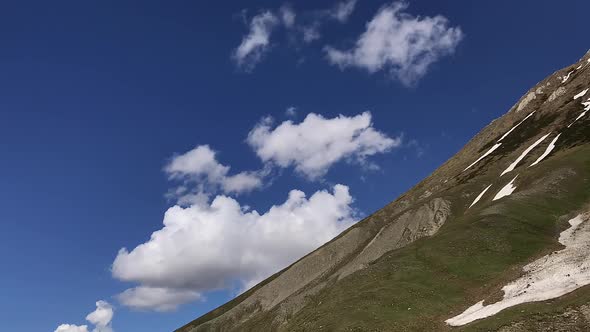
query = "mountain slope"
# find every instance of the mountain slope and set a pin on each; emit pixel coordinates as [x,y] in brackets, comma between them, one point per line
[455,239]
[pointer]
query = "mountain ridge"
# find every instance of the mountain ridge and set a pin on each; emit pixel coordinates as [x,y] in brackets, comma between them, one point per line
[362,267]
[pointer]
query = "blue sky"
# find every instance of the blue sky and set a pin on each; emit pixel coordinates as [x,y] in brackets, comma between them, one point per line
[102,103]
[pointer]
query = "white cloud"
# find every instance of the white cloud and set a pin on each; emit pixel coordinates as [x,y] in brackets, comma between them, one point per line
[214,246]
[101,317]
[202,173]
[399,42]
[256,42]
[156,298]
[315,144]
[343,10]
[71,328]
[304,27]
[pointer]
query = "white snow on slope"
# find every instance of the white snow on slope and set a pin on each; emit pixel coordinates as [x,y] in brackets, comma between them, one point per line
[507,190]
[518,124]
[586,105]
[524,153]
[580,66]
[565,78]
[479,196]
[578,118]
[547,151]
[581,94]
[492,149]
[546,278]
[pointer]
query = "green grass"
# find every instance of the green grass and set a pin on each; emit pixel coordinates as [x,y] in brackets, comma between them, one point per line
[417,287]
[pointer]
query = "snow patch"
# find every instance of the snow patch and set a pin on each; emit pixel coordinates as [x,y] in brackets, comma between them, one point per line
[492,149]
[581,94]
[506,191]
[524,153]
[479,196]
[565,78]
[518,124]
[546,278]
[586,105]
[579,117]
[547,151]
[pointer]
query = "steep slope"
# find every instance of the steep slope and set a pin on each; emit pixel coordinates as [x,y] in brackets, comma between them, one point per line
[461,243]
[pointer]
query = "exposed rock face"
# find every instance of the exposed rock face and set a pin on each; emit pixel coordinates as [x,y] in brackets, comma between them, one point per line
[530,97]
[557,93]
[407,228]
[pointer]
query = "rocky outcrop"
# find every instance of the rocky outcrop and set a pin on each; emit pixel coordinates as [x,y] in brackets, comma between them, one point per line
[407,228]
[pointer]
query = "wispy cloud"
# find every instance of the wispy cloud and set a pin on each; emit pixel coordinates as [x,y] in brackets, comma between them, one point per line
[256,42]
[343,10]
[399,43]
[304,27]
[291,111]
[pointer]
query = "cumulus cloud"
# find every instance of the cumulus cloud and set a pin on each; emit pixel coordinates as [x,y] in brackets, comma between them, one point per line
[221,244]
[201,173]
[403,44]
[71,328]
[156,298]
[101,319]
[256,42]
[315,144]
